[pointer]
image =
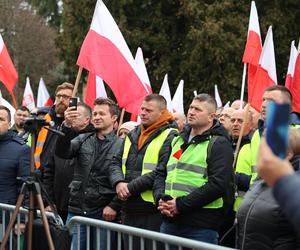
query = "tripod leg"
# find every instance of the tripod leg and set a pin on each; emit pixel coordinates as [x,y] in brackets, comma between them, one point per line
[30,220]
[45,221]
[12,219]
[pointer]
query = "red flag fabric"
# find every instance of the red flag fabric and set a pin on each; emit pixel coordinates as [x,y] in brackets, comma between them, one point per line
[253,48]
[266,72]
[8,73]
[295,88]
[95,88]
[291,66]
[105,53]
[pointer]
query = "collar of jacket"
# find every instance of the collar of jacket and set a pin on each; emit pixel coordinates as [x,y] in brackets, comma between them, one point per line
[110,136]
[7,136]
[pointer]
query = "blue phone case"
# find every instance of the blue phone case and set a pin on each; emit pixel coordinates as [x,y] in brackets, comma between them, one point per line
[277,125]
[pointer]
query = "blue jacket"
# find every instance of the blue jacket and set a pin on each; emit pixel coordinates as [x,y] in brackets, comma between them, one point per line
[286,192]
[14,162]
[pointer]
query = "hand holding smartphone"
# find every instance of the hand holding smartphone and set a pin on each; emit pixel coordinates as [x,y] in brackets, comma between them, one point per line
[277,126]
[73,102]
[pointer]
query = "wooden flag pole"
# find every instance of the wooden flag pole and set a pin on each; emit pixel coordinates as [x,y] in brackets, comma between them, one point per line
[77,82]
[121,118]
[247,108]
[243,85]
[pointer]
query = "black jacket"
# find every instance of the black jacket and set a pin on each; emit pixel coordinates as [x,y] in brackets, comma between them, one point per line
[137,183]
[262,223]
[58,174]
[90,188]
[219,171]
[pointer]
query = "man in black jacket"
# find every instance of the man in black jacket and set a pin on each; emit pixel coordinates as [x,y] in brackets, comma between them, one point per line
[58,173]
[133,169]
[191,190]
[91,194]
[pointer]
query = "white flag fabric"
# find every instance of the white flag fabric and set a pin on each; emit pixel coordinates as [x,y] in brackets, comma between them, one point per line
[165,92]
[28,99]
[142,70]
[9,106]
[43,97]
[177,101]
[100,89]
[217,97]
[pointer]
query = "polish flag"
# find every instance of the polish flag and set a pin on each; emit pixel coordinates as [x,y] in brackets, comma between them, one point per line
[28,100]
[105,53]
[95,88]
[266,72]
[165,92]
[141,69]
[295,86]
[253,48]
[177,101]
[291,66]
[217,97]
[8,73]
[43,97]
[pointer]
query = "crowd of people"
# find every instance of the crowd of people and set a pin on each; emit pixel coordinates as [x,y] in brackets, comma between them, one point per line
[192,176]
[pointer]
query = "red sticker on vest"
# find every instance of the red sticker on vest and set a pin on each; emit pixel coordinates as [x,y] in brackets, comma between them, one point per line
[178,154]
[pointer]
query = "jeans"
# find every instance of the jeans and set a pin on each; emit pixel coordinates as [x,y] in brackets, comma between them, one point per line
[83,232]
[193,233]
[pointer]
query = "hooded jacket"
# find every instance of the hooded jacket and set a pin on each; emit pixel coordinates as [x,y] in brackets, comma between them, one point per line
[219,171]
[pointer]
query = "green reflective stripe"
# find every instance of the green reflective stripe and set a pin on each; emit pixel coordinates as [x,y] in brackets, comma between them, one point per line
[189,167]
[253,169]
[180,187]
[124,161]
[150,166]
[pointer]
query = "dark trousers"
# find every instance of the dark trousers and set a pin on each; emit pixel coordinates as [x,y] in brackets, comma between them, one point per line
[149,221]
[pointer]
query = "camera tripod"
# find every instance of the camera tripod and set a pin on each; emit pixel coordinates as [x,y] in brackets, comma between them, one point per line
[32,186]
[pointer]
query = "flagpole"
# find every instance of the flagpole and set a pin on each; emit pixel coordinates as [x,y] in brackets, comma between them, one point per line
[14,100]
[243,85]
[121,118]
[77,82]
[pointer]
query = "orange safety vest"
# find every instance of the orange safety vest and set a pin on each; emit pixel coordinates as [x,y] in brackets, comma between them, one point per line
[40,143]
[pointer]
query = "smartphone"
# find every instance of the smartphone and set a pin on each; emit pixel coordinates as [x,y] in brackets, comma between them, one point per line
[277,126]
[73,102]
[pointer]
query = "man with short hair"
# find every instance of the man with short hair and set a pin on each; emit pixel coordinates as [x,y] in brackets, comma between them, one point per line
[190,191]
[20,115]
[58,173]
[91,194]
[145,148]
[14,161]
[225,117]
[46,139]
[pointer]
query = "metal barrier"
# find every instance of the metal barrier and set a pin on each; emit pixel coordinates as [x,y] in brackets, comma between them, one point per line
[121,230]
[142,234]
[6,213]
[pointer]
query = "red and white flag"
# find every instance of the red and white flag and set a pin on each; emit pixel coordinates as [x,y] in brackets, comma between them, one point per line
[9,106]
[295,86]
[266,72]
[141,69]
[165,92]
[253,48]
[8,73]
[43,97]
[291,66]
[177,101]
[105,53]
[28,99]
[95,88]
